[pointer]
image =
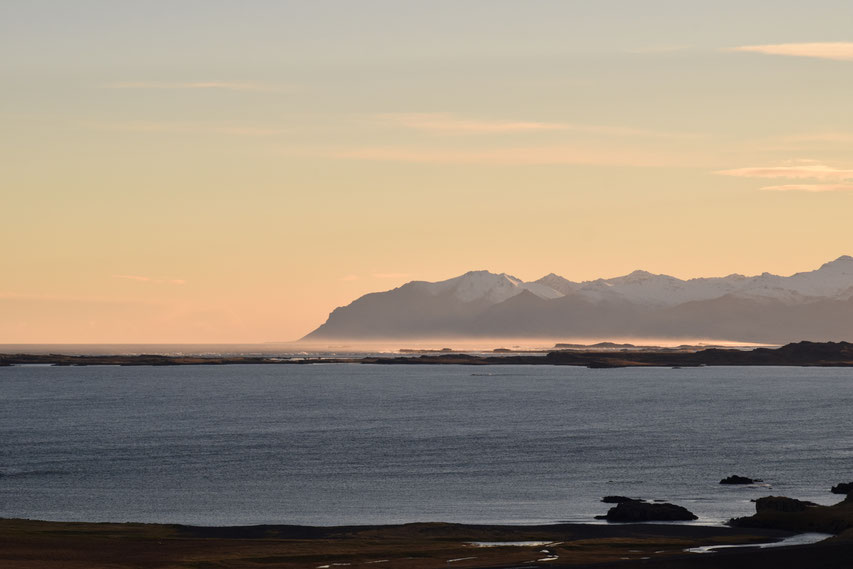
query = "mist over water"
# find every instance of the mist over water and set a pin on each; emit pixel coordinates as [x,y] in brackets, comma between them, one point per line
[349,444]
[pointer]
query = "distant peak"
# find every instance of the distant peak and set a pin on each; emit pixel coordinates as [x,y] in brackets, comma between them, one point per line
[488,276]
[640,273]
[842,261]
[551,277]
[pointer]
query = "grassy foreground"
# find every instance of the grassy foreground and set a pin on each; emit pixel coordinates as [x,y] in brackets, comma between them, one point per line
[26,544]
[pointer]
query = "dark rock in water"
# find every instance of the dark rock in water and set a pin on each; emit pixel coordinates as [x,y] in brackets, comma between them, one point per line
[601,364]
[618,499]
[842,488]
[735,479]
[781,504]
[636,511]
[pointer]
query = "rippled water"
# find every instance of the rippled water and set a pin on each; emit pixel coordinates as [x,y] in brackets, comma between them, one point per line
[342,444]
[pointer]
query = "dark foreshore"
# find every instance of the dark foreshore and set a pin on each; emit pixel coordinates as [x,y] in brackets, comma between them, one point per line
[838,354]
[26,544]
[743,543]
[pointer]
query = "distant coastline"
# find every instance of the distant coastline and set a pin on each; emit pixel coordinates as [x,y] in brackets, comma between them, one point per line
[827,354]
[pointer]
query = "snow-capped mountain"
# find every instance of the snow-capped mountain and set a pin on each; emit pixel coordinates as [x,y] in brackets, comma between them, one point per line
[809,305]
[832,280]
[479,285]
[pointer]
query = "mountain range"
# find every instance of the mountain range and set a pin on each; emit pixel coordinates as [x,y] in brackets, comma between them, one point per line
[814,305]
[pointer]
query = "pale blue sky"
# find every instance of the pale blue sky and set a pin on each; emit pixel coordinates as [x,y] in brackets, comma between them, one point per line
[108,33]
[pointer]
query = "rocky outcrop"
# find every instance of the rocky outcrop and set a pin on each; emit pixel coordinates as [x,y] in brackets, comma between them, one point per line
[735,479]
[842,488]
[777,512]
[781,504]
[637,511]
[618,499]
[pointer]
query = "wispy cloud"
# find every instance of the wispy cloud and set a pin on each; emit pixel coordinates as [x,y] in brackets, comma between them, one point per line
[799,170]
[151,280]
[810,188]
[807,170]
[189,128]
[839,51]
[842,137]
[519,156]
[59,298]
[448,123]
[349,278]
[657,49]
[197,85]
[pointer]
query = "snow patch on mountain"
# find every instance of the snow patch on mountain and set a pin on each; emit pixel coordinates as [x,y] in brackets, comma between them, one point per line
[814,305]
[491,287]
[558,283]
[832,280]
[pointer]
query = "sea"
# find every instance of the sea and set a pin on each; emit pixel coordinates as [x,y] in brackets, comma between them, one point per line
[336,444]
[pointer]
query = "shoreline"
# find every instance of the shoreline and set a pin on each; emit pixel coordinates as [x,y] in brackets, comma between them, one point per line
[822,354]
[67,545]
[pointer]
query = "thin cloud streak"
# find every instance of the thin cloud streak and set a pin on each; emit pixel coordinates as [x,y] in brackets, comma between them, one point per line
[800,171]
[820,137]
[448,123]
[525,156]
[195,85]
[810,188]
[189,128]
[838,51]
[445,122]
[27,297]
[658,49]
[139,278]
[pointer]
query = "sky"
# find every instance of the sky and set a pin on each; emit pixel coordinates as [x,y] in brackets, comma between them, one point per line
[223,171]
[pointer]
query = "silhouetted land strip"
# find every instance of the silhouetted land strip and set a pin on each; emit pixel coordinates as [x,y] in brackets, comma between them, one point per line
[778,512]
[837,354]
[27,544]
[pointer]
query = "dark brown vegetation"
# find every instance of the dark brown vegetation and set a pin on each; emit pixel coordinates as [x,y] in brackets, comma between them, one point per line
[55,545]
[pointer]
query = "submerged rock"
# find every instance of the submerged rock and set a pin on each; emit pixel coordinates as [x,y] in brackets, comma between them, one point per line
[637,511]
[735,479]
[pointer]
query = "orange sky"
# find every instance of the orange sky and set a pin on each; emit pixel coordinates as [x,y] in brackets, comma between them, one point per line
[234,175]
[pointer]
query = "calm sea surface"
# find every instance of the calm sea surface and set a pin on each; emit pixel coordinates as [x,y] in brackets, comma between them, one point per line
[353,444]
